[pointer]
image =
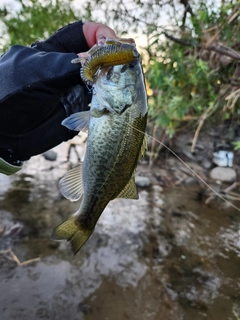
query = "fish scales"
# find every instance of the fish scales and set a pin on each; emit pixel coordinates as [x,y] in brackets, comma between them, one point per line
[104,185]
[116,142]
[117,153]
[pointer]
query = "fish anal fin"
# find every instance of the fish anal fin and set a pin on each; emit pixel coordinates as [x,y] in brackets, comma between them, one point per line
[71,231]
[130,190]
[144,147]
[71,185]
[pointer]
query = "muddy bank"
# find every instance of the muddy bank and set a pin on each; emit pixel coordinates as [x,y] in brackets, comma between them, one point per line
[166,256]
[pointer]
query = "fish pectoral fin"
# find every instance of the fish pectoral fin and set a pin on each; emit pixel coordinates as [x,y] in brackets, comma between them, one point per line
[78,121]
[130,190]
[70,230]
[144,147]
[71,185]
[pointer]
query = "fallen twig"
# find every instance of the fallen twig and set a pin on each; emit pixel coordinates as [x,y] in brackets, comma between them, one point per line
[209,199]
[231,187]
[10,255]
[227,194]
[179,181]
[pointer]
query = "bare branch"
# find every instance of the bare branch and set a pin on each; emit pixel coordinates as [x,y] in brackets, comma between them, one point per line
[187,7]
[221,49]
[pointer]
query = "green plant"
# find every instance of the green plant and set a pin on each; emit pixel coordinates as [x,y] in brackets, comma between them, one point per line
[195,75]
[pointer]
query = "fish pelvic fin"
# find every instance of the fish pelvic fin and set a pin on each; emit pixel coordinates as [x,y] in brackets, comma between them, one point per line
[71,230]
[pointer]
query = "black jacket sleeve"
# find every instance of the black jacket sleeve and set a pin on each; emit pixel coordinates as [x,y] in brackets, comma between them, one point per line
[33,80]
[67,39]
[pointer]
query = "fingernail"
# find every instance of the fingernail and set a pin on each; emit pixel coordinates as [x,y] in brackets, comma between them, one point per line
[101,40]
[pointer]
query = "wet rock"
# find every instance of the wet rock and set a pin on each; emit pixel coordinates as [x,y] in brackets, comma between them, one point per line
[14,231]
[190,180]
[142,182]
[84,308]
[223,174]
[194,166]
[50,155]
[157,188]
[206,163]
[53,244]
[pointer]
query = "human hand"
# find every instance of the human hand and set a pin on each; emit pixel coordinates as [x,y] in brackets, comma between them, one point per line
[96,33]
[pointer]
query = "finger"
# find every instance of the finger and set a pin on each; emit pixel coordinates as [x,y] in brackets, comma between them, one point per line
[104,32]
[101,40]
[83,55]
[92,31]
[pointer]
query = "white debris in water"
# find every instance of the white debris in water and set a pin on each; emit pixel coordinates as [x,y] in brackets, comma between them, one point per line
[231,238]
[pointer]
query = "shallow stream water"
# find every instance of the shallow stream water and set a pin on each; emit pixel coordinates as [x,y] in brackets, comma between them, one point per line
[165,256]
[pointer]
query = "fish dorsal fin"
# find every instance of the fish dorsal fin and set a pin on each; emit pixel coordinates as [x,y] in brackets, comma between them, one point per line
[130,190]
[71,185]
[78,121]
[144,147]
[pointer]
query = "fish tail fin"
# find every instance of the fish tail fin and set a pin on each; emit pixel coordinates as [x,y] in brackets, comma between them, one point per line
[71,230]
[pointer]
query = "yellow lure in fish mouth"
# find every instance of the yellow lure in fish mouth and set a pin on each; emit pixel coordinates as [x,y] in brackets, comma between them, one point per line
[114,52]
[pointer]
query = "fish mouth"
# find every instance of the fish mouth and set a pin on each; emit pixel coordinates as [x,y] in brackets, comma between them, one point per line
[112,77]
[115,86]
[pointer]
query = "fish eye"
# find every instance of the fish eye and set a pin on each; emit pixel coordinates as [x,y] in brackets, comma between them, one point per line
[126,66]
[132,64]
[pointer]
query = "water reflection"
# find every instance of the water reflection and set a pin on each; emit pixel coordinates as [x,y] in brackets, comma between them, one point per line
[165,256]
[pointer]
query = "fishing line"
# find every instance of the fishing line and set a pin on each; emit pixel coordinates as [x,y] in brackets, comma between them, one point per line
[188,167]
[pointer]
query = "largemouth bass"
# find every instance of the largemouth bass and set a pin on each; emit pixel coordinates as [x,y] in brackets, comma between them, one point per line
[116,142]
